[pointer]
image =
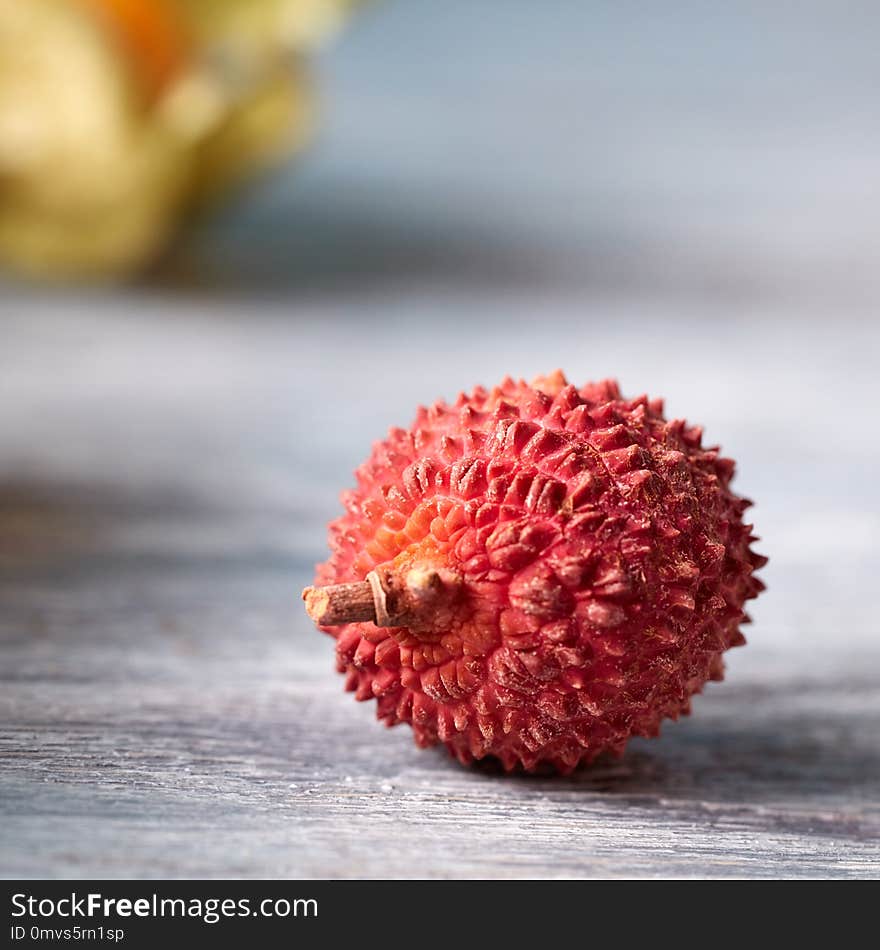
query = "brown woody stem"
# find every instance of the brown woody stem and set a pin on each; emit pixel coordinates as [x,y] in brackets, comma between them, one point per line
[384,598]
[340,603]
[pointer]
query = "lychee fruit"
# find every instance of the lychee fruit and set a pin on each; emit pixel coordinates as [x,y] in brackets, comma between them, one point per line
[537,573]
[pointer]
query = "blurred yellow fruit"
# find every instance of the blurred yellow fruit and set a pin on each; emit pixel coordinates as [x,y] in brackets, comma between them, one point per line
[262,26]
[119,116]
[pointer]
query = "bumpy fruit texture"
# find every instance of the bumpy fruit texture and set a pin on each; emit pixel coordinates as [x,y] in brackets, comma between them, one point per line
[595,563]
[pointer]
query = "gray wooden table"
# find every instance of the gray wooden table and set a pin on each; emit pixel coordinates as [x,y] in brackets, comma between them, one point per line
[688,220]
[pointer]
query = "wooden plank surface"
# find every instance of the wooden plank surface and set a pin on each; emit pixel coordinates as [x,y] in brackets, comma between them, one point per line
[167,709]
[169,458]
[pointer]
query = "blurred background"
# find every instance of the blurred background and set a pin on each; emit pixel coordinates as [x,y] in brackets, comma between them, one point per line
[681,195]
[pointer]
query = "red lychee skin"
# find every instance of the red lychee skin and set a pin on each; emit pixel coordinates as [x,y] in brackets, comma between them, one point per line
[604,565]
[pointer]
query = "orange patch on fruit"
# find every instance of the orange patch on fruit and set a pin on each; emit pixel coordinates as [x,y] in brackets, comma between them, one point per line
[153,36]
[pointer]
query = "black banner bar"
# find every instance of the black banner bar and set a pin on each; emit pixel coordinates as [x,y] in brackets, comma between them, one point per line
[133,914]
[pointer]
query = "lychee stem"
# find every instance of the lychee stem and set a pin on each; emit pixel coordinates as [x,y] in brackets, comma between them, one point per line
[382,599]
[340,603]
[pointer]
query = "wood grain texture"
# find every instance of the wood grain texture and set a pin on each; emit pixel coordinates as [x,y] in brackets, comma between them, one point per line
[168,709]
[169,459]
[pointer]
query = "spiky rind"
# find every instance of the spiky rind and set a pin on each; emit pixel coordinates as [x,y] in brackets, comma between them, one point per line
[604,559]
